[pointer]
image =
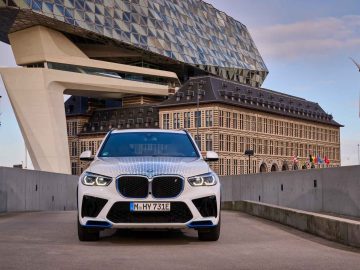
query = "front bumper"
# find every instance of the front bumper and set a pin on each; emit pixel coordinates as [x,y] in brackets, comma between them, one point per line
[107,201]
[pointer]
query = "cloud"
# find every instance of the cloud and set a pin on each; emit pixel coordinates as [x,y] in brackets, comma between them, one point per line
[308,38]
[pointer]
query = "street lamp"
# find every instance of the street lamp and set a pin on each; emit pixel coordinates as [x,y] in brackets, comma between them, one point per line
[249,153]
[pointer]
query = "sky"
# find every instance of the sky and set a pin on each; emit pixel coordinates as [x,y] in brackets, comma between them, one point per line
[306,45]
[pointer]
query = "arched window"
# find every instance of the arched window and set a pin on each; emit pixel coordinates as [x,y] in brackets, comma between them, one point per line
[285,167]
[274,168]
[263,168]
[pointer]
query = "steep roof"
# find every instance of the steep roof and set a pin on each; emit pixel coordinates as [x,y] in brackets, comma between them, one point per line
[217,90]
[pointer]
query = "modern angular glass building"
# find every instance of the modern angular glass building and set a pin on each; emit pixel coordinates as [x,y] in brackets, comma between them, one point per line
[189,37]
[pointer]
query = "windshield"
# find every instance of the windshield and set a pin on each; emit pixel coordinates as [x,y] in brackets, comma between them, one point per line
[157,144]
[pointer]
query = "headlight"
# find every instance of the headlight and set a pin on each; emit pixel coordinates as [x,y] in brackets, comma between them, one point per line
[91,179]
[208,179]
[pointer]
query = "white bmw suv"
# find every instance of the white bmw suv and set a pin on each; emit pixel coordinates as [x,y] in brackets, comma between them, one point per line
[149,178]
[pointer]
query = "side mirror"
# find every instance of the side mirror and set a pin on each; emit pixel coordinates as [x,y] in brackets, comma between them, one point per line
[86,156]
[211,156]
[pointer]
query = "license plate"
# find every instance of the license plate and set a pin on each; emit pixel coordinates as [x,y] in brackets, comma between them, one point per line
[149,206]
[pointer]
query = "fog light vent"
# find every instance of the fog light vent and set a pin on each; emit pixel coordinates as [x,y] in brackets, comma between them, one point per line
[207,206]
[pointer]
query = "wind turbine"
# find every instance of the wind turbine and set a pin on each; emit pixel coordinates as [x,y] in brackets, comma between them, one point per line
[357,64]
[0,110]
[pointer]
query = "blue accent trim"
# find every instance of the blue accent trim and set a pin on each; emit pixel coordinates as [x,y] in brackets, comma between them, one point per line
[131,206]
[97,224]
[201,224]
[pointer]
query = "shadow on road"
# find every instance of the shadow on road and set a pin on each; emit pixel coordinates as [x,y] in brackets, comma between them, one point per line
[148,237]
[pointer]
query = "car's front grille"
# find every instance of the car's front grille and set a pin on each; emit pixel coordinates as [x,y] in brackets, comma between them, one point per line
[161,186]
[120,213]
[133,186]
[91,206]
[166,186]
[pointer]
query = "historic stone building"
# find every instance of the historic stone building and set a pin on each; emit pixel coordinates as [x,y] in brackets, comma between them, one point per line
[282,130]
[228,118]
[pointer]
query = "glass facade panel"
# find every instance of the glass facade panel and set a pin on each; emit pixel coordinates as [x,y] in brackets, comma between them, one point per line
[189,31]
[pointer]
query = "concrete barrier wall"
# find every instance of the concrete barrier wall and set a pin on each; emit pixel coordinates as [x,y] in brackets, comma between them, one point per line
[27,190]
[340,230]
[337,190]
[334,190]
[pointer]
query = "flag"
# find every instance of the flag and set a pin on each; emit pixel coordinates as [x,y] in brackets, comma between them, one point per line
[315,160]
[295,159]
[327,161]
[320,161]
[311,159]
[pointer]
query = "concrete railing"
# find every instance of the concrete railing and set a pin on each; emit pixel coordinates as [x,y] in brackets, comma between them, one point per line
[332,190]
[336,229]
[26,190]
[335,190]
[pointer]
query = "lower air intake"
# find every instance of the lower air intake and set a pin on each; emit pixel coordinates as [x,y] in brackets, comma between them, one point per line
[120,213]
[207,206]
[92,206]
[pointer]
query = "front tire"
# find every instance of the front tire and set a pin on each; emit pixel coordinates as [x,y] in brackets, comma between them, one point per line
[210,234]
[87,235]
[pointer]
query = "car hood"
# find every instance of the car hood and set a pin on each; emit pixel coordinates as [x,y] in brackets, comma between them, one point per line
[149,166]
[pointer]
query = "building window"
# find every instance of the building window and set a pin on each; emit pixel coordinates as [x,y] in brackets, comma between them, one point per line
[166,121]
[73,168]
[209,142]
[247,122]
[235,120]
[222,143]
[221,118]
[271,148]
[259,147]
[254,166]
[228,143]
[228,166]
[187,120]
[266,145]
[236,172]
[235,143]
[228,119]
[271,126]
[198,141]
[265,126]
[242,166]
[176,120]
[241,121]
[209,118]
[259,124]
[248,144]
[242,145]
[71,128]
[253,123]
[197,119]
[221,166]
[74,149]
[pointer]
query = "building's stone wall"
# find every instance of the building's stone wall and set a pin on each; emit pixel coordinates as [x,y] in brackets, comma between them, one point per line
[276,140]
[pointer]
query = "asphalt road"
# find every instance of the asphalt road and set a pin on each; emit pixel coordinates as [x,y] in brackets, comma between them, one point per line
[48,240]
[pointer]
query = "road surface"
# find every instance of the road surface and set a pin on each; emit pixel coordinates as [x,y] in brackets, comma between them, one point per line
[48,240]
